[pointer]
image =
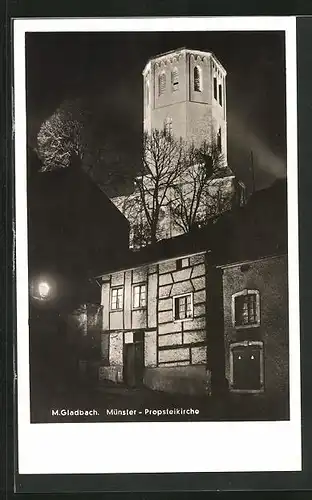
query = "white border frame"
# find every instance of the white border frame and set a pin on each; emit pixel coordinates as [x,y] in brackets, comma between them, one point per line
[208,446]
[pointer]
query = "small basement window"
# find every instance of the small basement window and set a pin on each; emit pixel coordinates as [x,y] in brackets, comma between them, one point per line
[117,298]
[246,367]
[183,307]
[246,309]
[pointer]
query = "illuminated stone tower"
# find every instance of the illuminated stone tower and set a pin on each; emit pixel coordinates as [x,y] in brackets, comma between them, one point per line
[185,92]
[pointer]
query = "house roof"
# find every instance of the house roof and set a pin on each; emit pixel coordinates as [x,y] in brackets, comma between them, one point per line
[258,229]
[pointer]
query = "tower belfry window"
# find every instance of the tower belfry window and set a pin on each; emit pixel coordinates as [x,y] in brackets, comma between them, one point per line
[161,83]
[215,88]
[175,79]
[220,95]
[197,79]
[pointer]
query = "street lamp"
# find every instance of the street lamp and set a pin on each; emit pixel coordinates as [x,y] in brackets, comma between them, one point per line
[44,289]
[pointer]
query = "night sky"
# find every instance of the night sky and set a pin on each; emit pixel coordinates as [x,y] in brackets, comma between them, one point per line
[105,71]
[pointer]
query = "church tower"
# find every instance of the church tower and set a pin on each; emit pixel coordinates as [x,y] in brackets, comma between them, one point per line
[185,92]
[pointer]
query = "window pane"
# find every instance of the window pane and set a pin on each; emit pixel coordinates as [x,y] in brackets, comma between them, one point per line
[118,292]
[188,306]
[220,95]
[176,308]
[136,296]
[183,307]
[143,296]
[114,299]
[246,309]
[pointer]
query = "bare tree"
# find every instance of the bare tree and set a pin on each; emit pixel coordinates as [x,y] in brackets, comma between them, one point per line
[162,164]
[200,193]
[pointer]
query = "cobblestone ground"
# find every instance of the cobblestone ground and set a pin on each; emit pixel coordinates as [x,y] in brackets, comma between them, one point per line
[144,402]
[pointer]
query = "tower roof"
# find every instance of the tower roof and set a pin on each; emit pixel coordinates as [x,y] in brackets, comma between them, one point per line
[165,55]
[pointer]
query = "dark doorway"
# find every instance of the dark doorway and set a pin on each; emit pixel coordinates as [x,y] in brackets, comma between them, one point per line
[247,369]
[134,358]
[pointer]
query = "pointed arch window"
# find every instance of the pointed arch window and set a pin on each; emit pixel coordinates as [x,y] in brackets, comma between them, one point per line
[161,83]
[175,79]
[197,79]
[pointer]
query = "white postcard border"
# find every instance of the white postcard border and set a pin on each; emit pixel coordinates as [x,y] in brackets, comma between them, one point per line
[141,447]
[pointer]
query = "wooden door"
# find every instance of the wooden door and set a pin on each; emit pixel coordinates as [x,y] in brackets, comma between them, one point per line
[129,366]
[134,362]
[247,368]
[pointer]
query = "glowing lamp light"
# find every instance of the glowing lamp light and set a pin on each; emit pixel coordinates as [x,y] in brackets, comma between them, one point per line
[44,289]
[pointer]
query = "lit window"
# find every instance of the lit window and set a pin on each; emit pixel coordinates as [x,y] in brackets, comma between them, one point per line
[246,366]
[220,94]
[161,83]
[117,298]
[139,296]
[175,79]
[197,79]
[183,307]
[246,308]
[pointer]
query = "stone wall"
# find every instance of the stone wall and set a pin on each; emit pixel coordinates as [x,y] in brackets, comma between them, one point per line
[269,277]
[182,342]
[190,380]
[171,346]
